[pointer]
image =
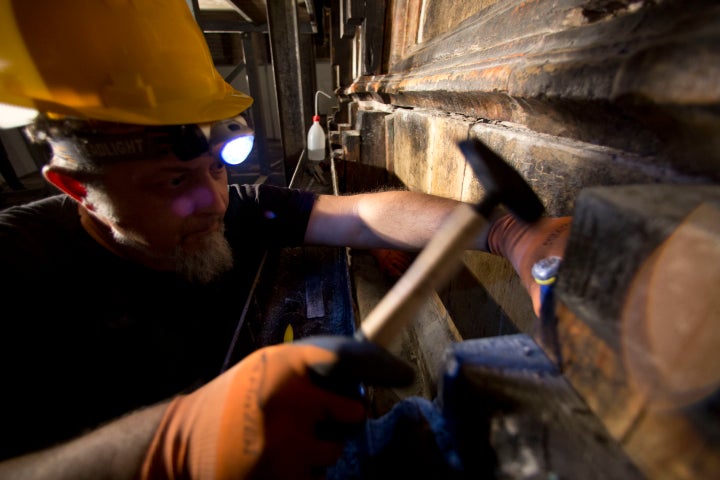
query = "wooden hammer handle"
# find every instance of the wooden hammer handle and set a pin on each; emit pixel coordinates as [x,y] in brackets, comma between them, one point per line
[432,269]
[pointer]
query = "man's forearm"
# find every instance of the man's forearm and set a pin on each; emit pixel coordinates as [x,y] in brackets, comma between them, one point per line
[114,451]
[393,219]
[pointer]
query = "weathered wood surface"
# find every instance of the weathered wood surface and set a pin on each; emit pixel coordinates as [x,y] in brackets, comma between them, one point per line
[633,76]
[573,94]
[638,321]
[594,362]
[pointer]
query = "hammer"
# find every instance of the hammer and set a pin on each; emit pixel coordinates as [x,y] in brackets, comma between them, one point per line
[440,258]
[434,266]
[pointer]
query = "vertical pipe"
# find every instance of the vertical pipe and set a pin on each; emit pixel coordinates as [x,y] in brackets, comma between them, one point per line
[288,71]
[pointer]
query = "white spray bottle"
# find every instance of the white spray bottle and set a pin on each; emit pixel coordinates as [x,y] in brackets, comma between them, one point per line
[316,135]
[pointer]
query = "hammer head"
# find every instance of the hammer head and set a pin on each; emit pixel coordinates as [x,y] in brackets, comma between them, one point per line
[503,184]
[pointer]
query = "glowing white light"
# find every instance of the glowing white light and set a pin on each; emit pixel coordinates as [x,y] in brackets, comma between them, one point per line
[237,149]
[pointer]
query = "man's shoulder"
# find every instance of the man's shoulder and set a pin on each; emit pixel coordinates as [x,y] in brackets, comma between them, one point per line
[47,213]
[40,222]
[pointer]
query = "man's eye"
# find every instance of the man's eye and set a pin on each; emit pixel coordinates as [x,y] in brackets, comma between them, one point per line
[177,181]
[217,169]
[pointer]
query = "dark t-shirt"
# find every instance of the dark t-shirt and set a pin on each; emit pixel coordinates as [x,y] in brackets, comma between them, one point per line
[87,336]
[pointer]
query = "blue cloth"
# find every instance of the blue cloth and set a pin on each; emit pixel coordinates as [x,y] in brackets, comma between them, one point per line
[410,441]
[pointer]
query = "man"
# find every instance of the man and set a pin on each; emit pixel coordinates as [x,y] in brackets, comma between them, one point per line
[141,268]
[135,274]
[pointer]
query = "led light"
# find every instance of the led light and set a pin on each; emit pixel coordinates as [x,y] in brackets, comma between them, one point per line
[237,150]
[233,139]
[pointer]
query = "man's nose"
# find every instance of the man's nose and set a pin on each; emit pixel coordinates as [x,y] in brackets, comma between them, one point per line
[208,196]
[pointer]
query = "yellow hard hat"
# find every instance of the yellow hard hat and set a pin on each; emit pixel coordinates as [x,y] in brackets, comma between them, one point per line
[132,61]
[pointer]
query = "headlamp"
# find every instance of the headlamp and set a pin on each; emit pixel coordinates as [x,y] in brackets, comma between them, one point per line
[232,139]
[229,140]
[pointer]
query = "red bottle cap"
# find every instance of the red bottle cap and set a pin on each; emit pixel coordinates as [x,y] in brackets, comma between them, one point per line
[316,118]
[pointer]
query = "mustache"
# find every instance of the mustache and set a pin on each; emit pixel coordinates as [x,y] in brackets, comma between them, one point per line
[206,224]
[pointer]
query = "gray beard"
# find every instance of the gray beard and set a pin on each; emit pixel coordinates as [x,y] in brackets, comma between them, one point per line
[201,266]
[207,264]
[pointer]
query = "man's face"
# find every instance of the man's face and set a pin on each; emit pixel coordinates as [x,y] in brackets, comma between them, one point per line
[164,207]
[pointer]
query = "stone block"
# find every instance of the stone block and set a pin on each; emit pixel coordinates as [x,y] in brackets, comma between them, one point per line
[425,154]
[371,124]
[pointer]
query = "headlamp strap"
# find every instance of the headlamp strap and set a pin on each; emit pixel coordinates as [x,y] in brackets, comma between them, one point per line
[185,141]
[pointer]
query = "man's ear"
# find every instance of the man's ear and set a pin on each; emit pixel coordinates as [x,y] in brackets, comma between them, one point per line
[65,181]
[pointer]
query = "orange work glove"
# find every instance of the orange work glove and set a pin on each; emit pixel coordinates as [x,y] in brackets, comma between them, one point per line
[261,418]
[523,244]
